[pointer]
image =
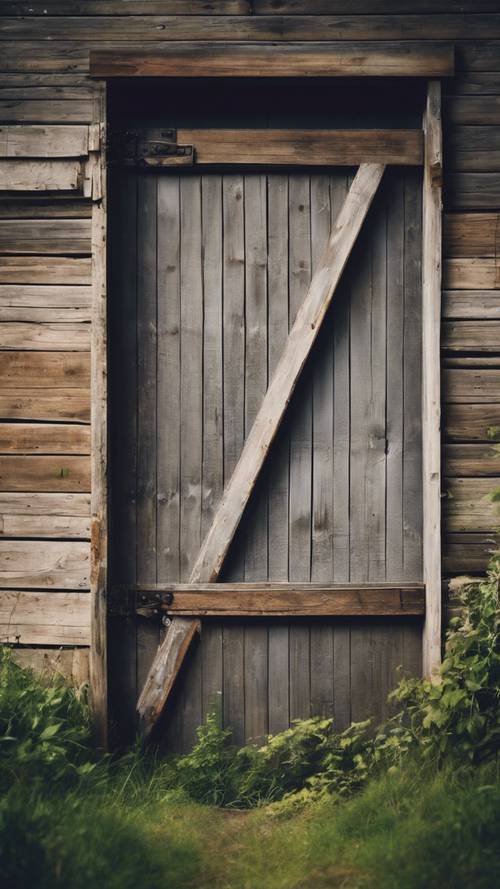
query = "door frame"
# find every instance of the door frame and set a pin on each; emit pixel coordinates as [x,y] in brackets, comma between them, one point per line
[431,394]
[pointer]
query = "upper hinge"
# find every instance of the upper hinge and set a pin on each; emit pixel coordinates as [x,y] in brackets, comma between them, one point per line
[148,149]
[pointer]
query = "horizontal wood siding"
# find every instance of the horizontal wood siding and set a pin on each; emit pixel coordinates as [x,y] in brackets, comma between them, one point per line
[45,313]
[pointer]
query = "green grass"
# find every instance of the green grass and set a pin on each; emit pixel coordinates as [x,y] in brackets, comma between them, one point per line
[411,829]
[415,806]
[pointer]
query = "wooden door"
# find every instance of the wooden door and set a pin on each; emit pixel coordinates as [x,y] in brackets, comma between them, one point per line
[208,272]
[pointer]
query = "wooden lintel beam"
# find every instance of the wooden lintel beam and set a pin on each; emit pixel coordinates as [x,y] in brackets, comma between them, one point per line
[282,600]
[334,59]
[301,338]
[307,147]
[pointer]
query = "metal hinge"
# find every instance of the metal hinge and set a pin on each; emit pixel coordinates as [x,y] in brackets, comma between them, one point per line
[148,149]
[126,602]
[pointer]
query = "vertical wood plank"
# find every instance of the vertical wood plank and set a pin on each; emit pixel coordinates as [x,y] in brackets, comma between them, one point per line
[395,378]
[368,435]
[256,637]
[213,442]
[322,465]
[234,429]
[412,375]
[147,631]
[191,427]
[278,685]
[168,378]
[191,381]
[431,317]
[300,445]
[339,184]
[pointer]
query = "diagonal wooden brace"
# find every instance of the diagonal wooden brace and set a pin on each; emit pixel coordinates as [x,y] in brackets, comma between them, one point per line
[171,652]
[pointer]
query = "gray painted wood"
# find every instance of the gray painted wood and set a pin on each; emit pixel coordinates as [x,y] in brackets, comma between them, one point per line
[321,659]
[256,381]
[213,442]
[340,498]
[278,470]
[146,481]
[234,427]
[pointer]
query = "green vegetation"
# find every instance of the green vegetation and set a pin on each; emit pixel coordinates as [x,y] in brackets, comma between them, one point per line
[416,805]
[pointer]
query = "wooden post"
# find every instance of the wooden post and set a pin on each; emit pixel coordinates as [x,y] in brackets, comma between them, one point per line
[98,576]
[431,394]
[302,336]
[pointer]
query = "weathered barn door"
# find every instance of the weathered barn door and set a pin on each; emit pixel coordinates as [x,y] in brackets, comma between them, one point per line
[208,272]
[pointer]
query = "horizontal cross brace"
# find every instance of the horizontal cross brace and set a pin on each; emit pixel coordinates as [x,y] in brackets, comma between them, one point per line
[270,600]
[157,148]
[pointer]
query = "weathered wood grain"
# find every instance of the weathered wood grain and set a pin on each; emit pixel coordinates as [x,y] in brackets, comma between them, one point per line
[479,304]
[295,599]
[297,60]
[46,564]
[164,671]
[471,273]
[360,7]
[473,191]
[473,460]
[99,456]
[44,438]
[467,505]
[300,341]
[473,110]
[45,504]
[43,141]
[71,405]
[168,374]
[413,359]
[474,82]
[45,515]
[130,7]
[468,552]
[65,236]
[472,422]
[44,618]
[471,234]
[71,664]
[256,379]
[473,148]
[309,147]
[44,207]
[278,500]
[44,473]
[41,175]
[431,380]
[302,336]
[471,386]
[47,370]
[32,110]
[471,336]
[253,28]
[26,297]
[45,336]
[44,270]
[145,347]
[212,655]
[123,396]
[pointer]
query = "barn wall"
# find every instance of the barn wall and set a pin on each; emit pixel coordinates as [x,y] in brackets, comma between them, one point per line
[48,150]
